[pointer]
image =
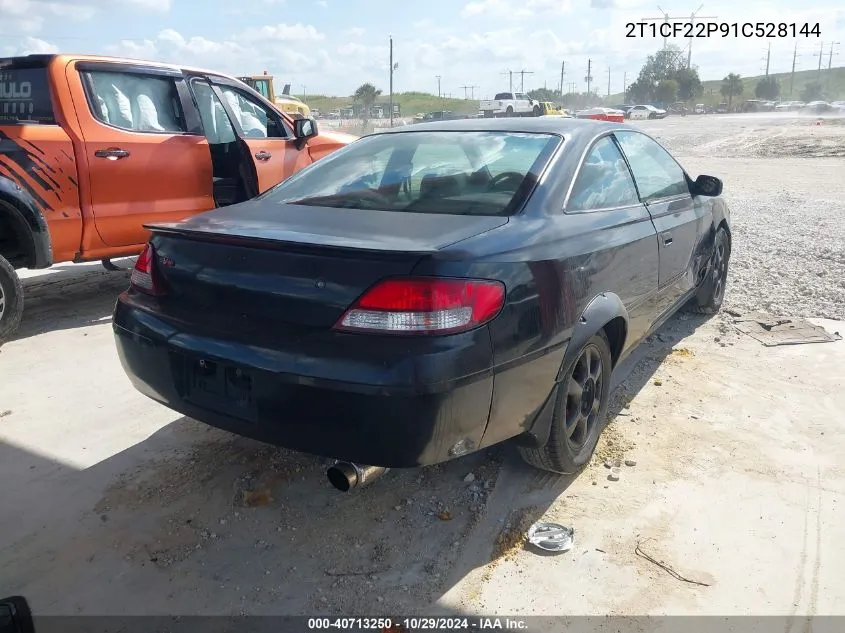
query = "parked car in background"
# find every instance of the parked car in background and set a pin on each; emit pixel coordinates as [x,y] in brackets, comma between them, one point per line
[818,107]
[700,109]
[622,108]
[510,104]
[838,105]
[94,148]
[638,112]
[601,114]
[678,108]
[722,108]
[391,312]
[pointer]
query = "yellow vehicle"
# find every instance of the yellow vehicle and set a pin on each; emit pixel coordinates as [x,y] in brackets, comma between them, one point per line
[286,102]
[547,108]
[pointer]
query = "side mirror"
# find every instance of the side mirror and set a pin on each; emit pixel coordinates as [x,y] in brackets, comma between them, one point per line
[707,186]
[304,128]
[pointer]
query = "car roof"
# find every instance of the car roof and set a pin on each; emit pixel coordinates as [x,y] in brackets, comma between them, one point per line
[567,127]
[62,59]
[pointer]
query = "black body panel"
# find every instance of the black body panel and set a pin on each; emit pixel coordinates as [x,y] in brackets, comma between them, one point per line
[244,292]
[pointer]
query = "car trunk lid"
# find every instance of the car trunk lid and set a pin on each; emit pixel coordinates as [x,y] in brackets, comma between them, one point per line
[292,267]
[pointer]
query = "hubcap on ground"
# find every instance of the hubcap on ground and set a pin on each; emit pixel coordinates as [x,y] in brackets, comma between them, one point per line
[584,390]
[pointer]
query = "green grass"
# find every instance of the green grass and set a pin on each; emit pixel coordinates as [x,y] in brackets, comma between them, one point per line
[712,96]
[409,103]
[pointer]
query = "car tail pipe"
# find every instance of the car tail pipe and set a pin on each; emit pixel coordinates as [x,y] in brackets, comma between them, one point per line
[346,475]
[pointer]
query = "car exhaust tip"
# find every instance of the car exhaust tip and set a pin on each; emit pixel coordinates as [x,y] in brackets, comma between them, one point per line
[345,475]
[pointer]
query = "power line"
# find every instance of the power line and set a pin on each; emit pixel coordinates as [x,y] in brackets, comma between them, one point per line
[522,74]
[509,73]
[666,19]
[471,88]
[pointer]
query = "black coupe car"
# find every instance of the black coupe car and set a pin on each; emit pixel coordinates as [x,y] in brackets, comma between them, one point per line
[428,291]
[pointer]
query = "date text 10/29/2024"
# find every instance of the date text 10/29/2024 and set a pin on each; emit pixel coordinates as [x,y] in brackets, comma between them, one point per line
[722,29]
[418,624]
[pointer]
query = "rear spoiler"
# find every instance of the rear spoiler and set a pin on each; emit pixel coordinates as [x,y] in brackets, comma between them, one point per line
[271,243]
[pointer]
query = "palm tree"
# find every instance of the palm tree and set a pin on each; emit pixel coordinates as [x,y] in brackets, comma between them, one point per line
[366,95]
[731,87]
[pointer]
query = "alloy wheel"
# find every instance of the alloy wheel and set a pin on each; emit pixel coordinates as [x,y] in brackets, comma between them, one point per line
[584,391]
[719,269]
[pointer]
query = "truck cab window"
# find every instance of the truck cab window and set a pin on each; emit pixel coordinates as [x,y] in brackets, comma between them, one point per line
[255,120]
[135,102]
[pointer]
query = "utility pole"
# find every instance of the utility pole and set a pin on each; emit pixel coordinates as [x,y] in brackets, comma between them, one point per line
[830,62]
[562,73]
[625,86]
[390,105]
[768,58]
[522,74]
[608,81]
[465,92]
[666,19]
[438,87]
[589,77]
[820,55]
[509,73]
[792,76]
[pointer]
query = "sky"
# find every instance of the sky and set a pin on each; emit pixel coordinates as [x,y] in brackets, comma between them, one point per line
[333,46]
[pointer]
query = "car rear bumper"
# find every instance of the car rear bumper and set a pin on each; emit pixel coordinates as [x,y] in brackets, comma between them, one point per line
[397,403]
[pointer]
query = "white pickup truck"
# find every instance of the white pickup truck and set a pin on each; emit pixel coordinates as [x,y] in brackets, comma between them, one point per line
[510,104]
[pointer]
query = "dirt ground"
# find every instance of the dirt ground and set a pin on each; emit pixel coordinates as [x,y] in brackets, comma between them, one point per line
[112,504]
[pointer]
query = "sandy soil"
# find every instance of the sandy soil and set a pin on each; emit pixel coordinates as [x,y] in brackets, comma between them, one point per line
[113,504]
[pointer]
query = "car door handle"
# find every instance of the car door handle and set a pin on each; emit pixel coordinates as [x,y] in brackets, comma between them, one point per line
[112,153]
[262,155]
[667,238]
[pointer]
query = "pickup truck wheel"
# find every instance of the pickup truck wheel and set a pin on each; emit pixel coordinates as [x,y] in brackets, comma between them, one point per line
[536,110]
[509,111]
[11,300]
[711,292]
[580,411]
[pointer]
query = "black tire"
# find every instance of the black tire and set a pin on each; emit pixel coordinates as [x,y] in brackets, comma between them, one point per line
[590,370]
[536,110]
[509,111]
[11,300]
[711,292]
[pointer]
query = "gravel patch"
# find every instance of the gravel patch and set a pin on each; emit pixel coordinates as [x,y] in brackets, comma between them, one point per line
[785,184]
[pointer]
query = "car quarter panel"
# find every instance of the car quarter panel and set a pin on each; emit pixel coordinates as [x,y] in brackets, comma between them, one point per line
[553,267]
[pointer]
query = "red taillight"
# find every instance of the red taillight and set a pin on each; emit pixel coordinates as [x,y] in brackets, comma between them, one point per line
[144,276]
[424,306]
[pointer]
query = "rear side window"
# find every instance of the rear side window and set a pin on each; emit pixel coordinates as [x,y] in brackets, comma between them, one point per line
[455,173]
[25,97]
[135,102]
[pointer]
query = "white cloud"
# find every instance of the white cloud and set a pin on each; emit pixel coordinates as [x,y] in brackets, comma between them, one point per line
[35,46]
[511,10]
[356,31]
[322,3]
[154,5]
[282,33]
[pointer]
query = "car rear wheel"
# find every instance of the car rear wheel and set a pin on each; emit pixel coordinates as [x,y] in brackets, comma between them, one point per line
[509,111]
[536,110]
[580,411]
[11,300]
[711,292]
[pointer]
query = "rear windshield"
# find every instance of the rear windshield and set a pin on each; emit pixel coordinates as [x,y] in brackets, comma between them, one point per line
[457,173]
[25,96]
[503,96]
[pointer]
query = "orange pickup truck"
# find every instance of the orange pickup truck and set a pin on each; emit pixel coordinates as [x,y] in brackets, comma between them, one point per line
[93,148]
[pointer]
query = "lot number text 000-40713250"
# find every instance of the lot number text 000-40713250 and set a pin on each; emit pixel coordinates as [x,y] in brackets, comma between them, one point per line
[722,29]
